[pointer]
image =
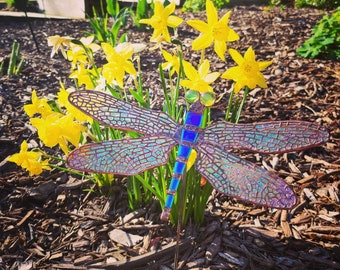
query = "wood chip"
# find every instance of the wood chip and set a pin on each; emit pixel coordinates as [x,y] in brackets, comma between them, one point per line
[124,238]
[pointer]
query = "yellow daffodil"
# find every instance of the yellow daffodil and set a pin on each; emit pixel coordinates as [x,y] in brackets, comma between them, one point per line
[58,129]
[161,20]
[59,43]
[88,43]
[72,110]
[200,79]
[38,106]
[213,31]
[29,160]
[77,54]
[119,62]
[247,73]
[172,62]
[83,75]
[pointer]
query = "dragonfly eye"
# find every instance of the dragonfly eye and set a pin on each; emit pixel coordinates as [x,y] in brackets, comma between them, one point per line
[192,96]
[207,99]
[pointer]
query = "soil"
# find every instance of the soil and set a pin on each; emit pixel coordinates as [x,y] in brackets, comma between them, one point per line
[50,222]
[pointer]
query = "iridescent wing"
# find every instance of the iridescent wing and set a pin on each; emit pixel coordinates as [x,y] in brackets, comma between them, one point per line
[113,112]
[238,178]
[123,157]
[266,137]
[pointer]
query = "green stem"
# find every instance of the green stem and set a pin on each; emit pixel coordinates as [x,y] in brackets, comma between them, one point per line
[70,171]
[230,101]
[246,92]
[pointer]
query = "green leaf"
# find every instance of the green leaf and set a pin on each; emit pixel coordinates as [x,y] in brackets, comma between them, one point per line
[324,40]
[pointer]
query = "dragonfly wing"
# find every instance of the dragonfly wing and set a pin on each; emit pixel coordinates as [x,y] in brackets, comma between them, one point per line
[241,179]
[123,157]
[266,137]
[113,112]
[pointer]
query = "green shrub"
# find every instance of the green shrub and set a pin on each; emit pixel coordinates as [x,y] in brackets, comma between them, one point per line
[199,5]
[319,4]
[325,42]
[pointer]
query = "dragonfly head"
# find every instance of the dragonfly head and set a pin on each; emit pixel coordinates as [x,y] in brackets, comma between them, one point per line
[207,99]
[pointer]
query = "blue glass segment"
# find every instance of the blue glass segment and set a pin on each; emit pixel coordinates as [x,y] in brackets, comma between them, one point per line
[169,201]
[179,167]
[188,135]
[184,151]
[174,184]
[194,119]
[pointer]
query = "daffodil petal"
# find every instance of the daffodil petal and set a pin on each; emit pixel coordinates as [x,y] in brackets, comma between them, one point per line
[174,21]
[265,64]
[231,73]
[129,68]
[169,8]
[232,35]
[204,68]
[158,7]
[220,48]
[237,87]
[261,81]
[236,56]
[225,18]
[189,70]
[211,77]
[249,55]
[199,25]
[212,15]
[145,21]
[186,83]
[202,42]
[167,56]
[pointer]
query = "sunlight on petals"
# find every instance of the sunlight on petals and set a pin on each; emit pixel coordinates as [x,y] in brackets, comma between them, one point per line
[38,106]
[71,109]
[172,62]
[29,160]
[213,31]
[119,63]
[58,129]
[59,43]
[200,79]
[161,20]
[247,72]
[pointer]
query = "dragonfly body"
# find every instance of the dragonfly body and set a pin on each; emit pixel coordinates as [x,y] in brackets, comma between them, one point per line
[188,139]
[227,173]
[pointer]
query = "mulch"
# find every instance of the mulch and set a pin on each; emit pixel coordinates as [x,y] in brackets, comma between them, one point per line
[50,222]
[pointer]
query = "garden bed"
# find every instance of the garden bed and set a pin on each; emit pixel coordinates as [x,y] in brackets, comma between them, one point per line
[49,221]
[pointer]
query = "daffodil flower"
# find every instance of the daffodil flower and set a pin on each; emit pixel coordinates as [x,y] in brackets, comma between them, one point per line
[72,110]
[213,31]
[200,79]
[38,106]
[248,72]
[119,62]
[161,20]
[59,43]
[172,62]
[83,75]
[29,160]
[77,54]
[58,129]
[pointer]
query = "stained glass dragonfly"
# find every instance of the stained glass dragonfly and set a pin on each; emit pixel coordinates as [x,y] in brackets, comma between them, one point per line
[228,173]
